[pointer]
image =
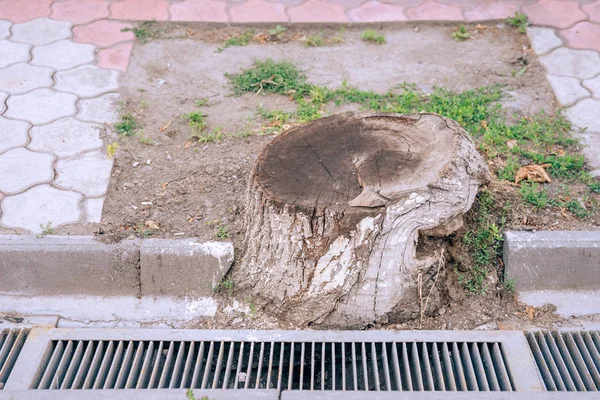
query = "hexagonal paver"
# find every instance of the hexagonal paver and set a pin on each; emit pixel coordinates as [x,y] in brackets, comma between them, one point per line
[88,173]
[71,55]
[41,106]
[3,97]
[582,64]
[591,84]
[101,109]
[12,133]
[4,29]
[87,81]
[568,90]
[21,78]
[21,168]
[585,114]
[93,209]
[40,205]
[65,137]
[41,31]
[543,39]
[11,52]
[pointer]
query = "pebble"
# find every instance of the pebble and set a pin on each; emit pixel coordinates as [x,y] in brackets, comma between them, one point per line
[135,164]
[416,29]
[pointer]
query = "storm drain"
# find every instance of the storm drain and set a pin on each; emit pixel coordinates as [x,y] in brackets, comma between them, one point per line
[371,366]
[567,361]
[11,343]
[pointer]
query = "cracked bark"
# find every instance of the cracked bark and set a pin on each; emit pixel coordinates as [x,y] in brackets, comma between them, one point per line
[334,209]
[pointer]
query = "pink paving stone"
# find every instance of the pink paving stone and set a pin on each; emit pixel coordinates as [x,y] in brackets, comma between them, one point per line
[199,10]
[18,11]
[593,10]
[555,13]
[317,11]
[374,11]
[116,57]
[584,35]
[491,10]
[102,33]
[432,11]
[80,11]
[258,11]
[140,10]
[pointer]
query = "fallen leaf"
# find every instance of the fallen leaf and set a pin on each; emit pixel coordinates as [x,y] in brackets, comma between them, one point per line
[511,143]
[563,212]
[162,128]
[533,173]
[530,311]
[187,144]
[164,186]
[480,27]
[151,224]
[558,151]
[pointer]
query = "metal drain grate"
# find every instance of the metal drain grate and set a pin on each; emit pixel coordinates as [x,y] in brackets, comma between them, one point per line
[408,366]
[567,361]
[11,343]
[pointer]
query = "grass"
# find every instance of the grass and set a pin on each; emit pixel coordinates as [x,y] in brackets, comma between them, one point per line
[197,123]
[509,284]
[143,138]
[277,33]
[226,285]
[127,125]
[46,230]
[268,77]
[372,36]
[238,40]
[461,33]
[222,232]
[534,194]
[315,40]
[145,32]
[518,21]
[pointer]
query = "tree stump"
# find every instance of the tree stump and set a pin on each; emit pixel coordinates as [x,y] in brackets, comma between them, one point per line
[334,211]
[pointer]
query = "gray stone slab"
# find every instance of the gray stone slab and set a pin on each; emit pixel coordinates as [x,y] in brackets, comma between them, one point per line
[4,29]
[41,106]
[87,81]
[68,265]
[14,133]
[553,260]
[585,114]
[21,168]
[71,55]
[569,303]
[88,173]
[66,137]
[591,146]
[582,64]
[3,97]
[41,31]
[594,86]
[567,90]
[102,109]
[93,209]
[543,39]
[11,52]
[21,78]
[183,267]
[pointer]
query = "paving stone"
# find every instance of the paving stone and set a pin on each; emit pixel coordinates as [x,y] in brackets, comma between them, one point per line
[555,13]
[39,206]
[433,11]
[199,10]
[3,97]
[65,137]
[582,64]
[101,109]
[21,78]
[584,35]
[317,11]
[543,39]
[258,11]
[80,11]
[374,11]
[71,55]
[491,10]
[591,143]
[140,10]
[41,106]
[93,209]
[21,168]
[4,29]
[593,10]
[11,52]
[116,57]
[41,31]
[88,173]
[19,11]
[87,81]
[594,86]
[567,90]
[12,133]
[103,33]
[585,114]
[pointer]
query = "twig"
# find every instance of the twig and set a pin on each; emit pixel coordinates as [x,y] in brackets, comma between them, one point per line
[441,261]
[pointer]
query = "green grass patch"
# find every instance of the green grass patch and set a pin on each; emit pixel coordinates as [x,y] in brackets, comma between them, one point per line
[145,31]
[534,194]
[519,21]
[461,33]
[269,77]
[238,40]
[315,40]
[372,36]
[127,125]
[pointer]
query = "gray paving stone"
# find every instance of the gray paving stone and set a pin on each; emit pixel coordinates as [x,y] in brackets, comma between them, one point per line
[71,55]
[41,106]
[93,209]
[21,78]
[593,85]
[591,144]
[585,114]
[12,133]
[543,39]
[582,64]
[88,173]
[21,168]
[101,109]
[4,29]
[39,206]
[41,31]
[87,81]
[567,90]
[65,137]
[3,97]
[11,52]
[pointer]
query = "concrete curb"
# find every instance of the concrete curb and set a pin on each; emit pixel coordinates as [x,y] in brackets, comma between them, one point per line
[80,265]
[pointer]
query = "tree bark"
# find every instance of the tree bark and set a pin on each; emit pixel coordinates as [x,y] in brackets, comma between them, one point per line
[334,211]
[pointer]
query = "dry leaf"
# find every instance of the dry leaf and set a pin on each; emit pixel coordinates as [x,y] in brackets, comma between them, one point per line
[162,128]
[558,151]
[480,27]
[511,143]
[187,144]
[151,224]
[164,186]
[533,173]
[530,311]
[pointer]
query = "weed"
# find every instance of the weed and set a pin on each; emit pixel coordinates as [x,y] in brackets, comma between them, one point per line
[270,77]
[339,37]
[592,183]
[278,32]
[253,309]
[143,138]
[315,40]
[461,33]
[111,149]
[145,32]
[143,104]
[46,230]
[577,209]
[509,170]
[372,36]
[222,232]
[534,194]
[197,122]
[509,284]
[518,21]
[203,102]
[127,125]
[190,395]
[276,119]
[225,286]
[240,40]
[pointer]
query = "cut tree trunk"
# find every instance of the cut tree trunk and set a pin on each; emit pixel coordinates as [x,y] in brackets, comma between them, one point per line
[334,211]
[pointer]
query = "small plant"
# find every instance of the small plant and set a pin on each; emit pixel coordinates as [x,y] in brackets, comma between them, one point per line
[315,40]
[111,149]
[278,32]
[518,21]
[145,32]
[253,309]
[372,36]
[240,40]
[46,230]
[190,395]
[222,232]
[461,33]
[509,170]
[270,77]
[225,286]
[509,284]
[276,119]
[339,37]
[197,122]
[533,194]
[143,138]
[203,102]
[127,125]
